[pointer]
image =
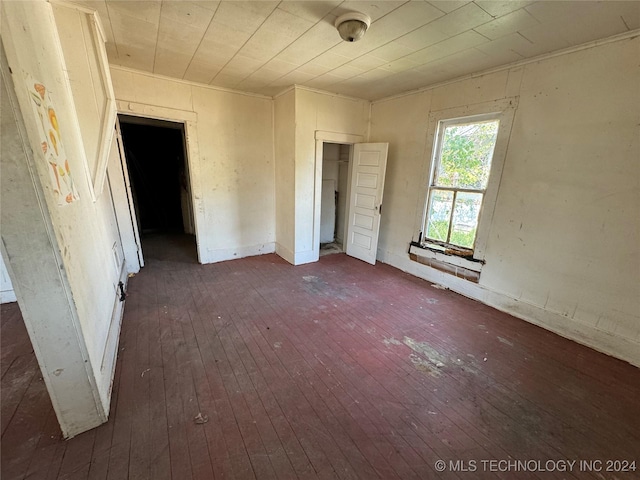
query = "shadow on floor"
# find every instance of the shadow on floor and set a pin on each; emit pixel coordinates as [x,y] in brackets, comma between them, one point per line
[169,247]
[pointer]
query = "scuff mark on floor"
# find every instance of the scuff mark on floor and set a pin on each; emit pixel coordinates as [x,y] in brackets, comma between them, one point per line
[423,348]
[315,285]
[505,341]
[427,359]
[424,365]
[391,341]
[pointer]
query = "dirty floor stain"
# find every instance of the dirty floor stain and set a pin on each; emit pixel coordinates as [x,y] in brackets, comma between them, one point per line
[505,341]
[391,341]
[423,348]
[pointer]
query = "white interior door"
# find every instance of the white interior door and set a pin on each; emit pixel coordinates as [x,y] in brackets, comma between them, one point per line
[365,200]
[123,204]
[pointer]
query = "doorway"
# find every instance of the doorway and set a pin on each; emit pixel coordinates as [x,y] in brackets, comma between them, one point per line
[158,170]
[334,196]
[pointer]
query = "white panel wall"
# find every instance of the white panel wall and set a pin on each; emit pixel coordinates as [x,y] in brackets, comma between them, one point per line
[563,250]
[235,194]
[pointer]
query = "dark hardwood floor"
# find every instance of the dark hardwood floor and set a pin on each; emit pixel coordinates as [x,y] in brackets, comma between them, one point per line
[256,369]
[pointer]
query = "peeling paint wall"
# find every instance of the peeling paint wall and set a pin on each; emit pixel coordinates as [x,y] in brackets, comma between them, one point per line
[234,168]
[563,249]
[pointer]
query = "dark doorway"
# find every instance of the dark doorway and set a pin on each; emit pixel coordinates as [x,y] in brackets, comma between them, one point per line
[158,172]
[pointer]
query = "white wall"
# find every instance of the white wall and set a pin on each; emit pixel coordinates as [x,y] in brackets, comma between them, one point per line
[284,159]
[563,248]
[232,170]
[317,111]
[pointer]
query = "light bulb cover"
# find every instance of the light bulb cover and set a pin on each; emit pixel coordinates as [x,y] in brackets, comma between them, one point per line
[352,26]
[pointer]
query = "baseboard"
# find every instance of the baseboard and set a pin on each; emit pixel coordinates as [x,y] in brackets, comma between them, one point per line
[285,253]
[296,258]
[8,296]
[223,254]
[306,257]
[605,342]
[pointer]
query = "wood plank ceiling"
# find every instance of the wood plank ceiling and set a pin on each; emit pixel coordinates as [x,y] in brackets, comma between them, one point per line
[265,46]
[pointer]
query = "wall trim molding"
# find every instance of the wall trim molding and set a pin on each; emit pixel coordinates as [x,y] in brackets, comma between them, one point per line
[284,253]
[223,254]
[331,94]
[190,121]
[187,82]
[338,137]
[309,256]
[8,296]
[161,113]
[604,342]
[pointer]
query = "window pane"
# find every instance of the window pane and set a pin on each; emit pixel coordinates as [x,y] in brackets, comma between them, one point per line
[465,157]
[439,215]
[465,219]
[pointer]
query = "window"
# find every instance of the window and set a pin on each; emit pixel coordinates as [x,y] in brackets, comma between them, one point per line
[460,185]
[459,178]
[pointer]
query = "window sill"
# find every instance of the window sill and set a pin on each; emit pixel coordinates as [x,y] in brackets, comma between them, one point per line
[458,266]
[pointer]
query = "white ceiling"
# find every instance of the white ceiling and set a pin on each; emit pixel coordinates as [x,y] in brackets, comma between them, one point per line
[265,46]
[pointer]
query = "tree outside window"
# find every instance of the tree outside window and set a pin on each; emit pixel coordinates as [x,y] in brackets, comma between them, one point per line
[459,179]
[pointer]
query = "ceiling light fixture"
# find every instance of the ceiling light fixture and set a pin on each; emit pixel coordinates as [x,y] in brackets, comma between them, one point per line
[352,26]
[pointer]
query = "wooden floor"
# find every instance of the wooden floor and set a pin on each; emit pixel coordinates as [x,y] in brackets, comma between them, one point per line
[335,369]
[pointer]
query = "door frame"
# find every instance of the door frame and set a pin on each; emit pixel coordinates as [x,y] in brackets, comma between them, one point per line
[323,137]
[192,158]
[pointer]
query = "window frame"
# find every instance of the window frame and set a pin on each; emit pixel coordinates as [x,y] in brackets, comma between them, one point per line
[501,110]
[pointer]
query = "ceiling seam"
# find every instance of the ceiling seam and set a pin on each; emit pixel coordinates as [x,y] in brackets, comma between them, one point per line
[113,35]
[332,47]
[201,40]
[489,13]
[625,23]
[155,50]
[250,37]
[429,46]
[283,49]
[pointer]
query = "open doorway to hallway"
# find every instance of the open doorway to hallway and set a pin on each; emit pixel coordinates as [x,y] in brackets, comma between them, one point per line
[335,183]
[158,170]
